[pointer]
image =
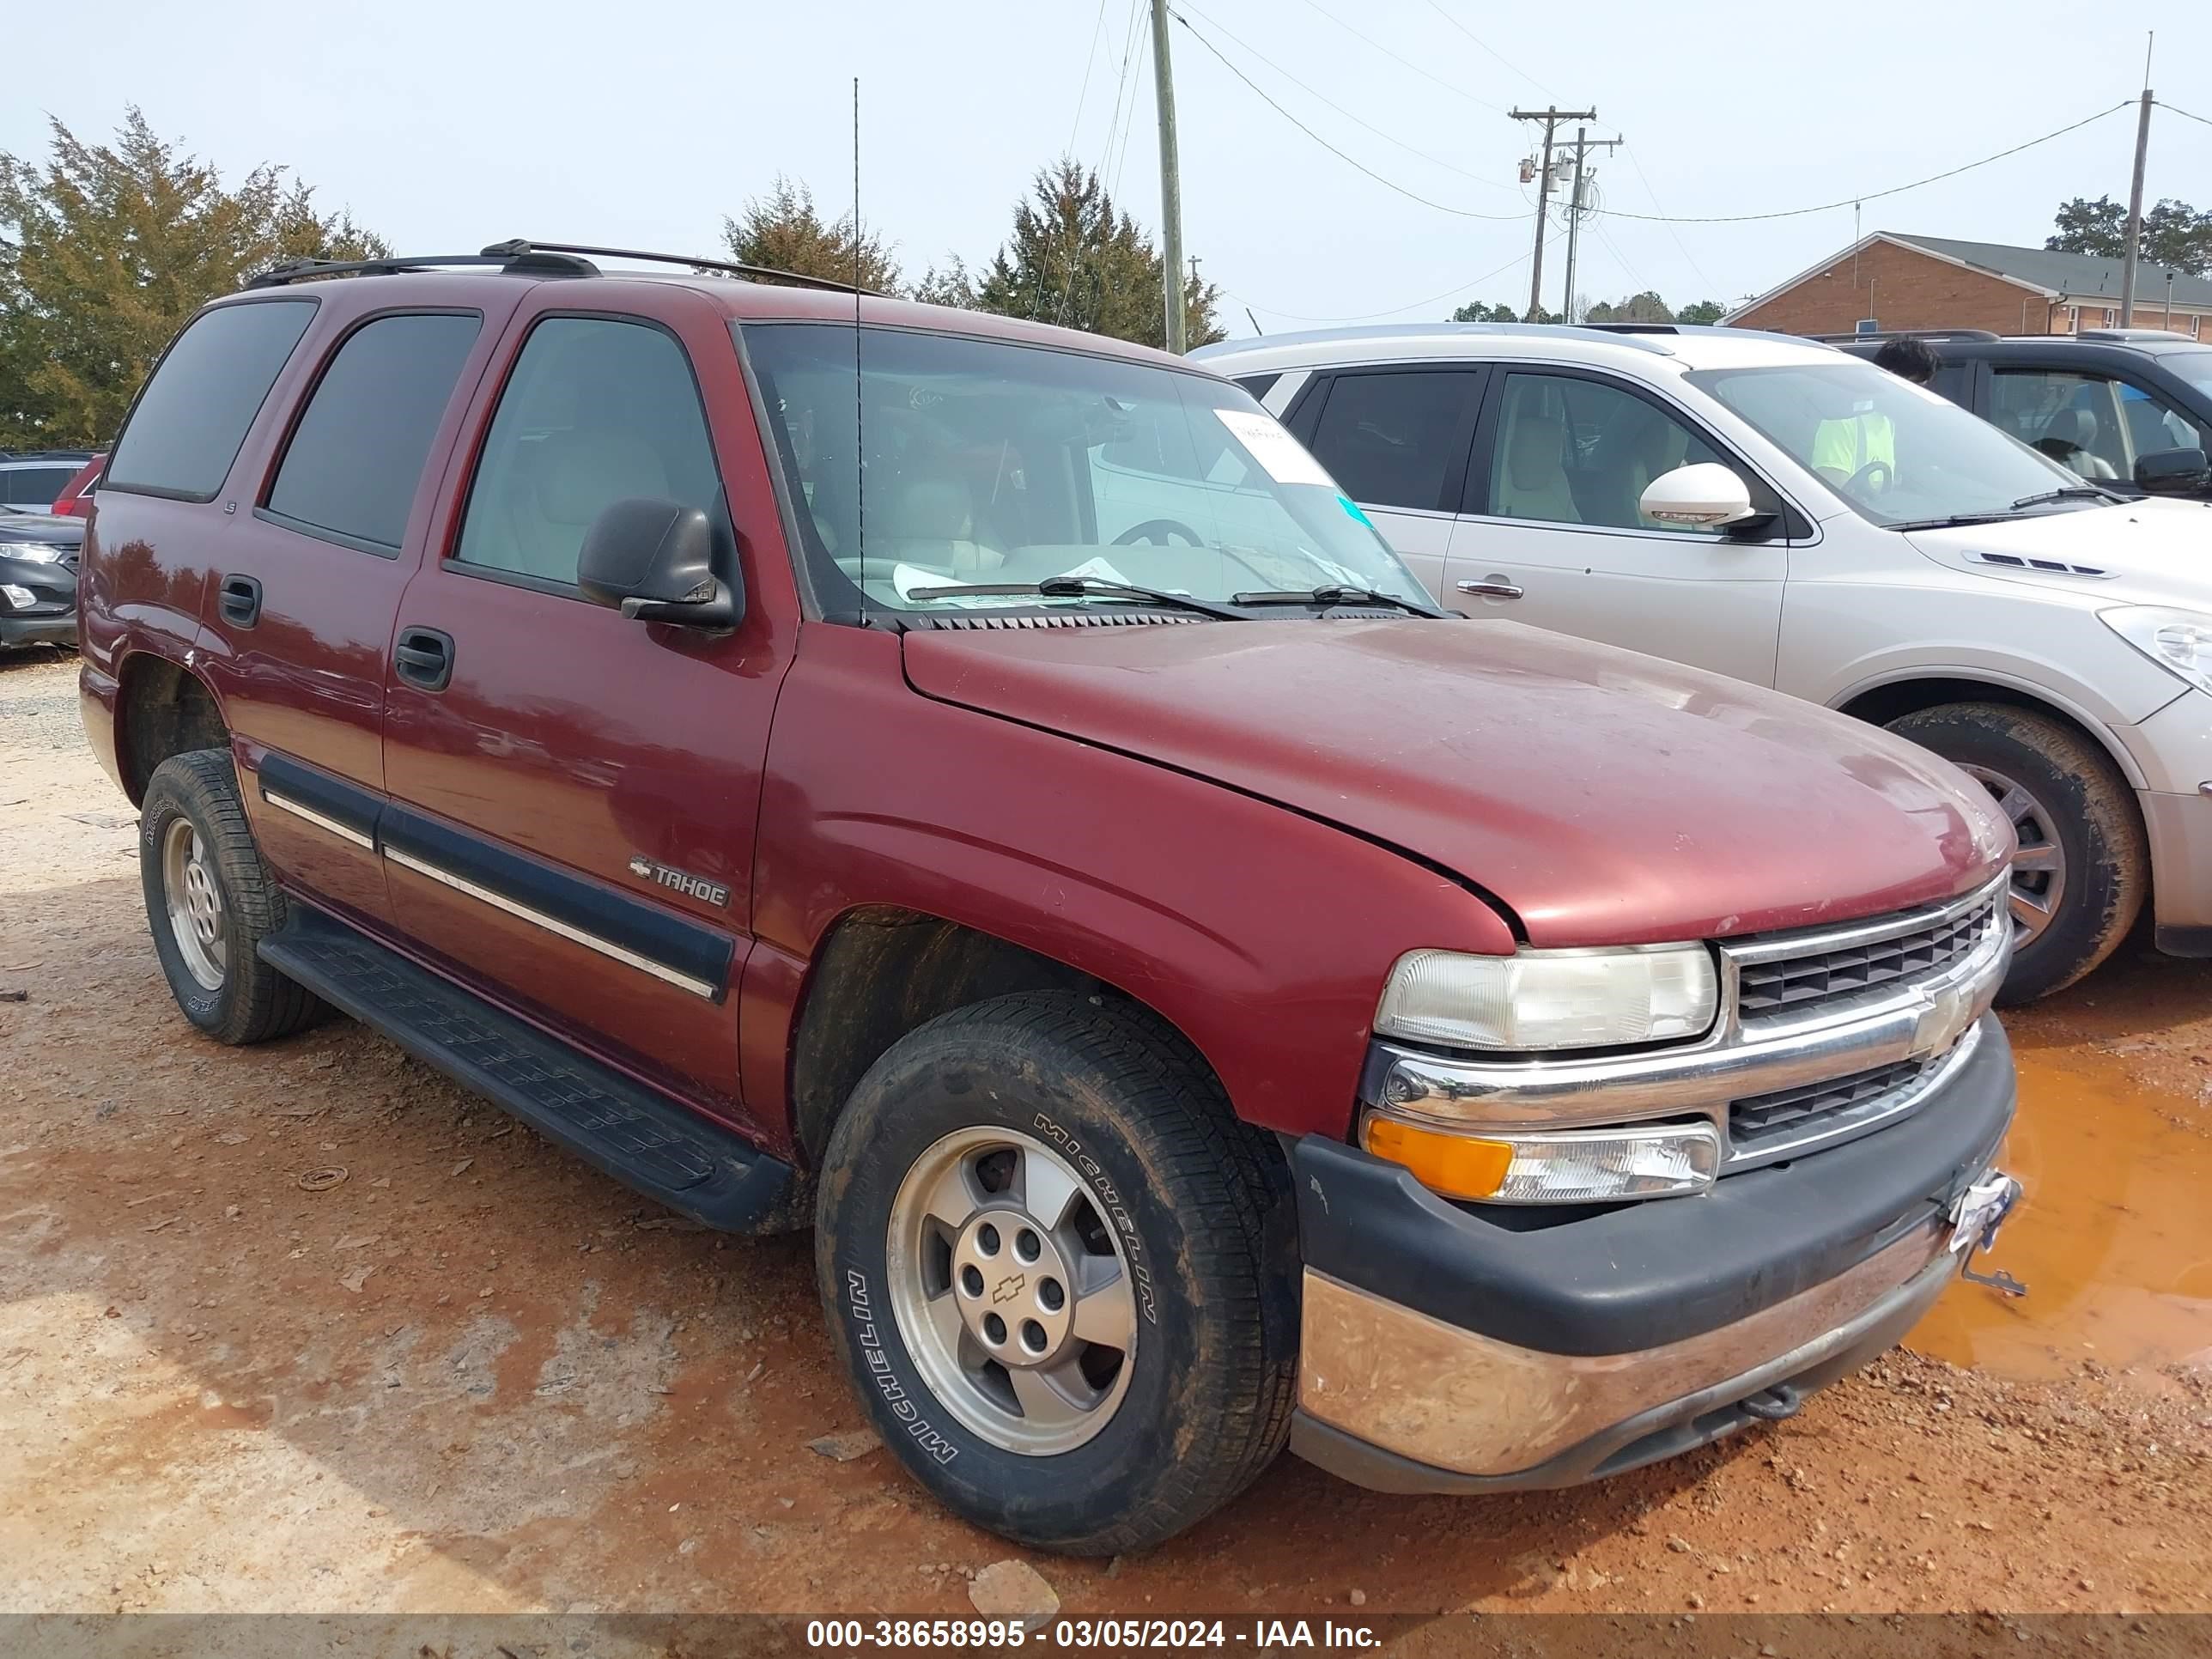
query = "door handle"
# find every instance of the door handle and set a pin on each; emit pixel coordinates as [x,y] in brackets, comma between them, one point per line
[241,601]
[1494,587]
[424,658]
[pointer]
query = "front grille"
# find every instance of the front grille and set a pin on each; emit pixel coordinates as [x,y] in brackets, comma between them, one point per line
[1758,1122]
[1835,973]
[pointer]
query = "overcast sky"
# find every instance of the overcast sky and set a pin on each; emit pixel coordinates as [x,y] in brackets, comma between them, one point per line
[448,125]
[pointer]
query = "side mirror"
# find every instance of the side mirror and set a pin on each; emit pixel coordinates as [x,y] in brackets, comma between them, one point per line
[655,561]
[1707,495]
[2173,472]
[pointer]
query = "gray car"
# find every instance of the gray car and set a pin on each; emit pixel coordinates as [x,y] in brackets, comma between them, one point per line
[38,579]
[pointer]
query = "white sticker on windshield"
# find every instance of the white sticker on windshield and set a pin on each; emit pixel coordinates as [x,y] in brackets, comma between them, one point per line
[1098,570]
[1282,455]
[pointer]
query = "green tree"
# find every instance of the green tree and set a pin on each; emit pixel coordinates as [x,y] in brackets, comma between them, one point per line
[2175,235]
[948,284]
[783,231]
[1476,311]
[105,250]
[1644,307]
[1704,311]
[1074,260]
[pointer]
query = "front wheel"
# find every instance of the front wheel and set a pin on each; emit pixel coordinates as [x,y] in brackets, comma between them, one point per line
[1062,1274]
[2083,868]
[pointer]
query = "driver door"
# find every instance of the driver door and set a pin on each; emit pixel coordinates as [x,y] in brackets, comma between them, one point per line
[1553,534]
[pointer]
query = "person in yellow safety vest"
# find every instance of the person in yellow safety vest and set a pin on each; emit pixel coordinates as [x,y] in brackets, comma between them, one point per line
[1843,449]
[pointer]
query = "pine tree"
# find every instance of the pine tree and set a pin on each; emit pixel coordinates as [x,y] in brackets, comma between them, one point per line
[1074,260]
[104,251]
[783,231]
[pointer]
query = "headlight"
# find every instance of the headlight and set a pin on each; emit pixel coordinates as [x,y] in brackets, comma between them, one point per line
[1551,999]
[33,552]
[2178,641]
[1564,1166]
[20,597]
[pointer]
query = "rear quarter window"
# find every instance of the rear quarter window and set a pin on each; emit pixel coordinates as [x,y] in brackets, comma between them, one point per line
[194,413]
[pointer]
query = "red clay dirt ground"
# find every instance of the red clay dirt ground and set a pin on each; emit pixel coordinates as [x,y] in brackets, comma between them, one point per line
[303,1328]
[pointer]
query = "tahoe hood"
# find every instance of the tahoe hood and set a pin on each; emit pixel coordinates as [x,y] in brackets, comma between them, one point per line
[1603,796]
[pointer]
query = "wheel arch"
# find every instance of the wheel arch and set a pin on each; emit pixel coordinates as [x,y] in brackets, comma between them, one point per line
[1912,690]
[879,971]
[161,708]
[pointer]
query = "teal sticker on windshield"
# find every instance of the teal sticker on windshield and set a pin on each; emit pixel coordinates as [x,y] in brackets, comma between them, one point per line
[1352,507]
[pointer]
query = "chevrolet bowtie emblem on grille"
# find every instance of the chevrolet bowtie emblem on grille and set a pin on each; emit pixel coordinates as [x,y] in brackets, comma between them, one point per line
[680,881]
[1008,1288]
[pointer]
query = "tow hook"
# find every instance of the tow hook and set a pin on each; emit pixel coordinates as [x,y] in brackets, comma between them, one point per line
[1975,1218]
[1774,1405]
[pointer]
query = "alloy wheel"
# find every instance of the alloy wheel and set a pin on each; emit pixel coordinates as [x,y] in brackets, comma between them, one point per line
[2038,868]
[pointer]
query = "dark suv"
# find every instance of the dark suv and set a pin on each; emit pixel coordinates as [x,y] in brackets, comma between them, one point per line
[983,790]
[2103,401]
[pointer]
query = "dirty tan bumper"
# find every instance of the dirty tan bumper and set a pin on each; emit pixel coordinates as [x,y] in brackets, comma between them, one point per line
[1393,1399]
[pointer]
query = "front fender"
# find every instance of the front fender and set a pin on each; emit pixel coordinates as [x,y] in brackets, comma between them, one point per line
[1262,934]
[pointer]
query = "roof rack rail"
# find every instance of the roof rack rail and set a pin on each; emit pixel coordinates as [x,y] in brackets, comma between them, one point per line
[2126,334]
[1912,334]
[1634,328]
[523,258]
[694,261]
[516,258]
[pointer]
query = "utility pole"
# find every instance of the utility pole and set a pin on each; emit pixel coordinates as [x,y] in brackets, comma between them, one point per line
[1171,181]
[2134,199]
[1583,144]
[1551,118]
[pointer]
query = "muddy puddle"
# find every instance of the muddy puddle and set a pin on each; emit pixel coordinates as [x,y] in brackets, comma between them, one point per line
[2113,1143]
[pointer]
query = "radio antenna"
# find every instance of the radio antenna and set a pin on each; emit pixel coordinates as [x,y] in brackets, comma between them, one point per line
[859,454]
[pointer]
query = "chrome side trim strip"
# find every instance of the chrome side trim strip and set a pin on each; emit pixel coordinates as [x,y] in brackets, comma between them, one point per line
[697,987]
[342,831]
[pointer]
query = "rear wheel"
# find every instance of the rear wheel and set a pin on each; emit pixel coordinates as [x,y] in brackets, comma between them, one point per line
[2083,868]
[210,902]
[1062,1273]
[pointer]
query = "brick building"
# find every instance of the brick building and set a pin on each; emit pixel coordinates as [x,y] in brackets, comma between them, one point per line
[1904,281]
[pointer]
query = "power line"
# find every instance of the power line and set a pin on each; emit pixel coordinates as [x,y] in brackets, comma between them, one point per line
[1089,63]
[1492,50]
[2177,109]
[1871,195]
[1410,150]
[1370,316]
[1461,213]
[1711,287]
[1456,91]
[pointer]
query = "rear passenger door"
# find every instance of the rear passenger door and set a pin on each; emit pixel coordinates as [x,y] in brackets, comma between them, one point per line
[307,580]
[573,794]
[1395,440]
[1555,535]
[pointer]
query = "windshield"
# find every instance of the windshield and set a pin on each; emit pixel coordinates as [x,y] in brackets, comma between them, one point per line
[1897,453]
[988,463]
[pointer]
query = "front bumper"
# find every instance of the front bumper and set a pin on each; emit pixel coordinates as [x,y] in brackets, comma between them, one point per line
[2173,750]
[1468,1348]
[50,618]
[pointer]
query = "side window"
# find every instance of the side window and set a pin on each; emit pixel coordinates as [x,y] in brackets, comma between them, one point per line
[1571,450]
[35,485]
[2076,419]
[595,412]
[2151,425]
[194,413]
[1397,439]
[357,455]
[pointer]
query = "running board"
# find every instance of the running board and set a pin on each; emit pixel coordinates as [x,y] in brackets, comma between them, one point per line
[694,1166]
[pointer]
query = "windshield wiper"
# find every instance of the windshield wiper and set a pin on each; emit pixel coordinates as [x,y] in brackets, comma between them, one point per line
[1332,596]
[2069,493]
[1951,523]
[1076,587]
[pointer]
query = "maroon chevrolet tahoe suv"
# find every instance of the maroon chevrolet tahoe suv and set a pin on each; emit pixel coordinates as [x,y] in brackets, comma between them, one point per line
[982,791]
